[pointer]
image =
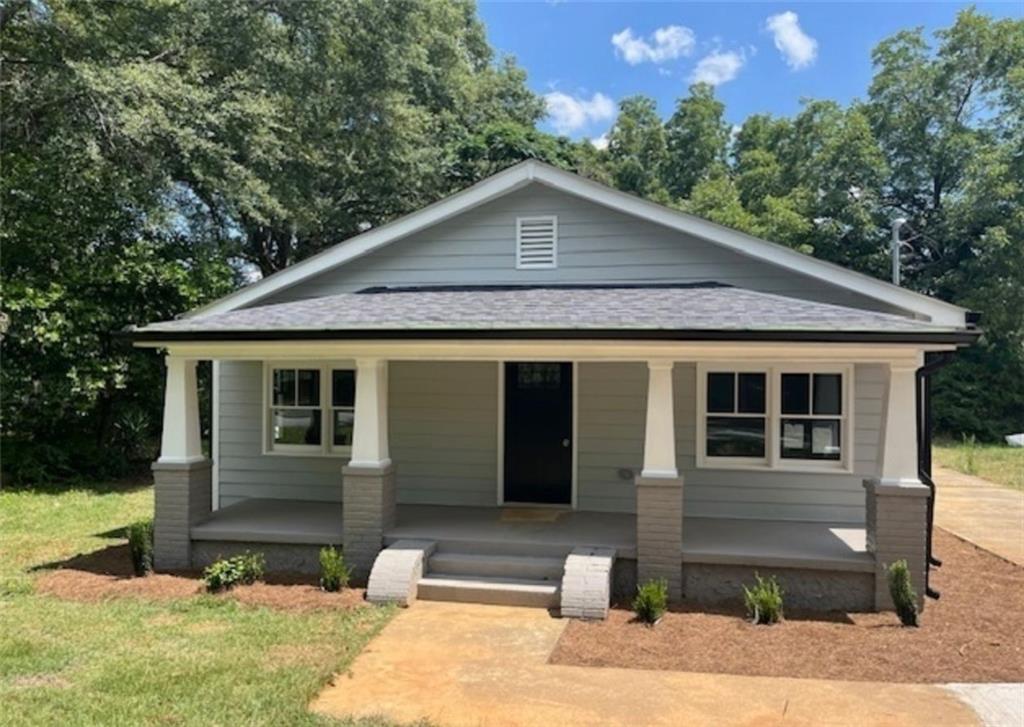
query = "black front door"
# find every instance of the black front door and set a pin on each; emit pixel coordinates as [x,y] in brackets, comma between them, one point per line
[538,432]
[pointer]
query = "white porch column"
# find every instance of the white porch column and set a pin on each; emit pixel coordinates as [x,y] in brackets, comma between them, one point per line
[370,428]
[180,443]
[368,481]
[659,488]
[660,431]
[896,505]
[182,478]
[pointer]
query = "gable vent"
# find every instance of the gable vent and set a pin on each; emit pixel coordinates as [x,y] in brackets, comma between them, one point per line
[536,242]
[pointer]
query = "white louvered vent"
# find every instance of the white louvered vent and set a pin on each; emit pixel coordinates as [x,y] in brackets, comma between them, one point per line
[536,242]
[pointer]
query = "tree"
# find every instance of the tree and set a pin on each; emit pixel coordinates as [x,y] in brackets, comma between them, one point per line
[696,139]
[636,148]
[150,148]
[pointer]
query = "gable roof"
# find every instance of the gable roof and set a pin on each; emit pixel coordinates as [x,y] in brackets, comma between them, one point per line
[532,171]
[703,311]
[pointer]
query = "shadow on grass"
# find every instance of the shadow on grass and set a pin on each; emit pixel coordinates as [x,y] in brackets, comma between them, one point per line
[114,560]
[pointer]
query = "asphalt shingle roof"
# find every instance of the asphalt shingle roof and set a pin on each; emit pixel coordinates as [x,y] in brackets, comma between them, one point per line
[705,307]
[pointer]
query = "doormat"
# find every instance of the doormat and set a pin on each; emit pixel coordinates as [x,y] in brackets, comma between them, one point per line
[530,515]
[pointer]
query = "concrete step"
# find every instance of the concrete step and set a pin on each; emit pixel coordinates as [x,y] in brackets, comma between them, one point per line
[528,567]
[490,590]
[478,546]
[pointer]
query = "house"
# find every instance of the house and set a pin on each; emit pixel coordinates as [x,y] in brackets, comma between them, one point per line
[541,390]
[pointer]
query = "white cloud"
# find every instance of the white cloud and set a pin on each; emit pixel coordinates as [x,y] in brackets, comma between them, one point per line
[600,142]
[718,67]
[664,44]
[799,49]
[572,113]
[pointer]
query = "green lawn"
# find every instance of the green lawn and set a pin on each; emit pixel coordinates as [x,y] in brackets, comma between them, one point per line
[201,660]
[994,462]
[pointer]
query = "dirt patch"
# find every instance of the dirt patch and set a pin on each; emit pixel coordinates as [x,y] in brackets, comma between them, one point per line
[971,634]
[36,681]
[107,573]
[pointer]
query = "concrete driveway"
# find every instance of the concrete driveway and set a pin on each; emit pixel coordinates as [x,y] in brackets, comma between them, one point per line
[461,664]
[989,515]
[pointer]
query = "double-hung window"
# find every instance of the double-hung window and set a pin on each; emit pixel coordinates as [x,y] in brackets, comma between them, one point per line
[774,417]
[311,409]
[736,423]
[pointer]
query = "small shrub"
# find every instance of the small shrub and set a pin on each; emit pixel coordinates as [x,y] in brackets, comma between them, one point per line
[764,600]
[651,600]
[902,592]
[230,572]
[140,543]
[334,571]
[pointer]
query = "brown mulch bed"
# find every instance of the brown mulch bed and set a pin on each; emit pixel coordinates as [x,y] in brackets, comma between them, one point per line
[972,634]
[107,573]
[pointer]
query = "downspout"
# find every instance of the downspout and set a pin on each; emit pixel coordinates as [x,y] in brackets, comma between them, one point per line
[933,362]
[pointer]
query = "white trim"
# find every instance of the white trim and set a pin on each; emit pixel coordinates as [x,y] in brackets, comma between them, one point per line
[773,461]
[326,447]
[551,350]
[534,265]
[522,174]
[574,478]
[215,433]
[180,439]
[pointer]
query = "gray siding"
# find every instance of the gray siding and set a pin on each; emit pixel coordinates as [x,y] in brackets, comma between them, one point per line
[780,495]
[443,424]
[244,470]
[610,434]
[444,431]
[595,244]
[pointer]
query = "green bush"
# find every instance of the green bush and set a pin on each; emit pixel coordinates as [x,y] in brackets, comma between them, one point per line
[764,600]
[334,571]
[970,455]
[651,600]
[230,572]
[140,543]
[902,592]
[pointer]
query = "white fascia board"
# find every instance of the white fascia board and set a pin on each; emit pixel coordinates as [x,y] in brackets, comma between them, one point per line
[523,173]
[938,311]
[484,191]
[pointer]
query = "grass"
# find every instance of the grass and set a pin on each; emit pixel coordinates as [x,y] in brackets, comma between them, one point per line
[200,660]
[997,463]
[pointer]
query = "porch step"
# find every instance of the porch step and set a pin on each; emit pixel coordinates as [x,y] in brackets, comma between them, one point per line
[489,590]
[501,565]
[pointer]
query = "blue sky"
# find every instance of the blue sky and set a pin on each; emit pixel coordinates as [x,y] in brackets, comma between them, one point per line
[763,57]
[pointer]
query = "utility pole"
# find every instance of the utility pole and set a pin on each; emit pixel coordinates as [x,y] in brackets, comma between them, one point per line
[894,247]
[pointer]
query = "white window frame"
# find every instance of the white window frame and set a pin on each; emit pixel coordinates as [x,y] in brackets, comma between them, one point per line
[553,219]
[773,460]
[326,447]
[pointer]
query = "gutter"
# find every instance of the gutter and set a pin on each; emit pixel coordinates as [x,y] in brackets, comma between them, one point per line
[933,362]
[944,337]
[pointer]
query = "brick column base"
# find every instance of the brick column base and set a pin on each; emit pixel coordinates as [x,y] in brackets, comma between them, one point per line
[897,529]
[659,532]
[183,496]
[368,509]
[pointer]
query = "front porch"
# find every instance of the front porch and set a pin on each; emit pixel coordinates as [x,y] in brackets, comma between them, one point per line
[707,541]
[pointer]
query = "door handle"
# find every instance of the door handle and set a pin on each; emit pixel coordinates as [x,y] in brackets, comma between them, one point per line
[565,442]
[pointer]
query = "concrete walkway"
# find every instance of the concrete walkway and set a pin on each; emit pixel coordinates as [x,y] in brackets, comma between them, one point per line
[468,665]
[990,516]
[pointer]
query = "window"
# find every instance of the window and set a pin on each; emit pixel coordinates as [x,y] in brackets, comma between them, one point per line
[736,415]
[343,406]
[774,417]
[812,408]
[296,414]
[536,242]
[311,409]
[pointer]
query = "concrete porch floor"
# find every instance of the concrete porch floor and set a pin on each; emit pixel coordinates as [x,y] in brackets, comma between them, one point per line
[766,543]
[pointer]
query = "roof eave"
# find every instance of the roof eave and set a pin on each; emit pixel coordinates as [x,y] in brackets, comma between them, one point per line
[951,337]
